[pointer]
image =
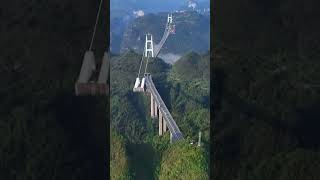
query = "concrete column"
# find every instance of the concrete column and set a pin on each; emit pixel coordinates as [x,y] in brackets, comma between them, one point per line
[164,125]
[170,137]
[160,123]
[199,141]
[155,109]
[152,106]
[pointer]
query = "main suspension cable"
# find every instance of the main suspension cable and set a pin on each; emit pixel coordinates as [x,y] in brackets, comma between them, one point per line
[141,63]
[95,26]
[145,70]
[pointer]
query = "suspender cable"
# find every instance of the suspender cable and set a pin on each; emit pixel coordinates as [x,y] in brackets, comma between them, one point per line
[95,26]
[145,70]
[141,63]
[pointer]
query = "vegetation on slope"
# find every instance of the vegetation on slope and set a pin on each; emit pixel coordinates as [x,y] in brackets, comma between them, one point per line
[192,67]
[184,161]
[299,164]
[130,111]
[45,131]
[266,91]
[190,93]
[264,106]
[118,158]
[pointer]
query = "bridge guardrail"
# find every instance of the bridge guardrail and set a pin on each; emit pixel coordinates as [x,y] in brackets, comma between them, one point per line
[176,133]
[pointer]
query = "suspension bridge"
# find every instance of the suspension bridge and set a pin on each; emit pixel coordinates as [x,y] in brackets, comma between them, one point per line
[88,83]
[158,109]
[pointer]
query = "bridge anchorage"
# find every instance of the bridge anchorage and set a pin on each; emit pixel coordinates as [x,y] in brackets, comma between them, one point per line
[89,82]
[158,108]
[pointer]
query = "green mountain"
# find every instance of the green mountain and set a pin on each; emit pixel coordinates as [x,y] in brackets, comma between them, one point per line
[188,24]
[185,96]
[193,67]
[190,94]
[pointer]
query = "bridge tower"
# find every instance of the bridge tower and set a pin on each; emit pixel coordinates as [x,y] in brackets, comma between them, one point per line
[148,48]
[169,21]
[170,25]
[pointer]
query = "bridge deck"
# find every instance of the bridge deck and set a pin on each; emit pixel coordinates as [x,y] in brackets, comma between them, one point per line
[163,40]
[173,128]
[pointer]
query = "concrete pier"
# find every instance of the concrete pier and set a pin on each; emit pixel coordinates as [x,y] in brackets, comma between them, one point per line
[199,141]
[160,124]
[164,125]
[155,109]
[161,113]
[152,106]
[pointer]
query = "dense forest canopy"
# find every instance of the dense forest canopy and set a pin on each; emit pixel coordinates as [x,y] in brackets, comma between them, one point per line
[45,131]
[266,90]
[182,161]
[118,158]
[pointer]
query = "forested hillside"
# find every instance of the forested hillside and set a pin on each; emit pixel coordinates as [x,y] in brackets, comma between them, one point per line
[118,157]
[151,156]
[188,24]
[266,90]
[183,161]
[45,131]
[189,93]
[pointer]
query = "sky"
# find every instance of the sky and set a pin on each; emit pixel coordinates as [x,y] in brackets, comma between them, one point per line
[150,5]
